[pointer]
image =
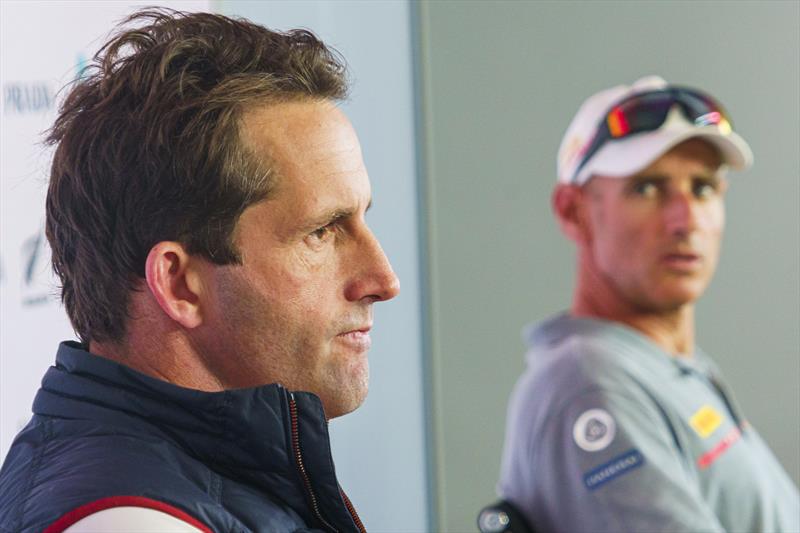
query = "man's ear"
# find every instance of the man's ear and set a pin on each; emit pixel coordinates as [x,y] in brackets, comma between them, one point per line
[175,281]
[723,185]
[569,206]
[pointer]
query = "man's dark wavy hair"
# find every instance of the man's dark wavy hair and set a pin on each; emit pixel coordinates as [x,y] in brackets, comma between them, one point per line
[148,149]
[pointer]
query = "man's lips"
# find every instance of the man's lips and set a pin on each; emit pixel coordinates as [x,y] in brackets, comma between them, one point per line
[357,338]
[683,261]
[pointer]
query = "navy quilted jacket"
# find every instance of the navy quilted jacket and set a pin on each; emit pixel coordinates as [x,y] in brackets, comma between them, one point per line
[248,460]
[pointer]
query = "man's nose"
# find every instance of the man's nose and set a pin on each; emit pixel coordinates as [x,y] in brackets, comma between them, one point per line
[680,213]
[375,279]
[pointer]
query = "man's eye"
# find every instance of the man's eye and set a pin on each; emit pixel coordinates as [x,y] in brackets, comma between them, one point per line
[704,189]
[322,234]
[646,189]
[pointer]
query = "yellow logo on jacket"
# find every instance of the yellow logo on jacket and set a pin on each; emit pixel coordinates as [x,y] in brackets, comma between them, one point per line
[705,421]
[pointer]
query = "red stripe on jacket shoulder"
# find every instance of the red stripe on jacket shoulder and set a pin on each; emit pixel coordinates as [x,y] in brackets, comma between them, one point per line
[122,501]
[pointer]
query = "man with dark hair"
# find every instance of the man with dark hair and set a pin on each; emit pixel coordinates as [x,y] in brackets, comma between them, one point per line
[206,214]
[620,423]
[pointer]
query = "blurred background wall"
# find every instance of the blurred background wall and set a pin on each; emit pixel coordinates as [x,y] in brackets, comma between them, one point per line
[460,106]
[501,81]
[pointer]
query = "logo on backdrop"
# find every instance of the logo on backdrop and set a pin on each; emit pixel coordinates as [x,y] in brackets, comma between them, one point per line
[30,97]
[23,98]
[35,271]
[81,66]
[34,262]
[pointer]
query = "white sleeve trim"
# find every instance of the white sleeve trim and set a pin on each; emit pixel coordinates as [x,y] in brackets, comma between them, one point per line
[130,520]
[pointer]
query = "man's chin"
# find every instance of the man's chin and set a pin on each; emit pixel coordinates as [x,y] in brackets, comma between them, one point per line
[341,405]
[349,388]
[673,301]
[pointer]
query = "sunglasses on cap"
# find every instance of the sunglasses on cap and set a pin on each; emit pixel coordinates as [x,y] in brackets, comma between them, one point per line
[648,111]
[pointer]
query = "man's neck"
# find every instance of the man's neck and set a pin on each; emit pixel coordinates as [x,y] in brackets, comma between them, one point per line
[672,330]
[171,359]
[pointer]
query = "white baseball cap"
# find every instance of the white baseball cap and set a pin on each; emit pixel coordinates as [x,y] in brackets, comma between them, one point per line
[628,155]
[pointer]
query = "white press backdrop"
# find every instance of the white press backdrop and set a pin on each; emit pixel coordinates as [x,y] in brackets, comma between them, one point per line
[44,46]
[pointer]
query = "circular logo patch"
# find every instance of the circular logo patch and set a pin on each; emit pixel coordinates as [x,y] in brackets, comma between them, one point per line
[594,430]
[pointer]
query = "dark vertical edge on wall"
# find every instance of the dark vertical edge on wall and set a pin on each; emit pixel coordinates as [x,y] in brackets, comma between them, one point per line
[425,257]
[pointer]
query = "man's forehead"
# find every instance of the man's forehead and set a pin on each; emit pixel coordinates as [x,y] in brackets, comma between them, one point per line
[285,121]
[298,130]
[313,152]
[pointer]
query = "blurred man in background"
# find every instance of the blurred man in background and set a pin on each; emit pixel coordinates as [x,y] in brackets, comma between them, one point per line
[206,212]
[620,422]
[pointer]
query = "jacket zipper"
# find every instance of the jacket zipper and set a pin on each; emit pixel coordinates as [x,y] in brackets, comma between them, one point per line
[298,456]
[352,511]
[312,498]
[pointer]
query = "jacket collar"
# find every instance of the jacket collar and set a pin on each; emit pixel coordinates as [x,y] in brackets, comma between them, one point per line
[244,434]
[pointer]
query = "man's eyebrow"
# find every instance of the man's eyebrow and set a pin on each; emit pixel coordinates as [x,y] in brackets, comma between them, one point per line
[332,216]
[649,177]
[711,176]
